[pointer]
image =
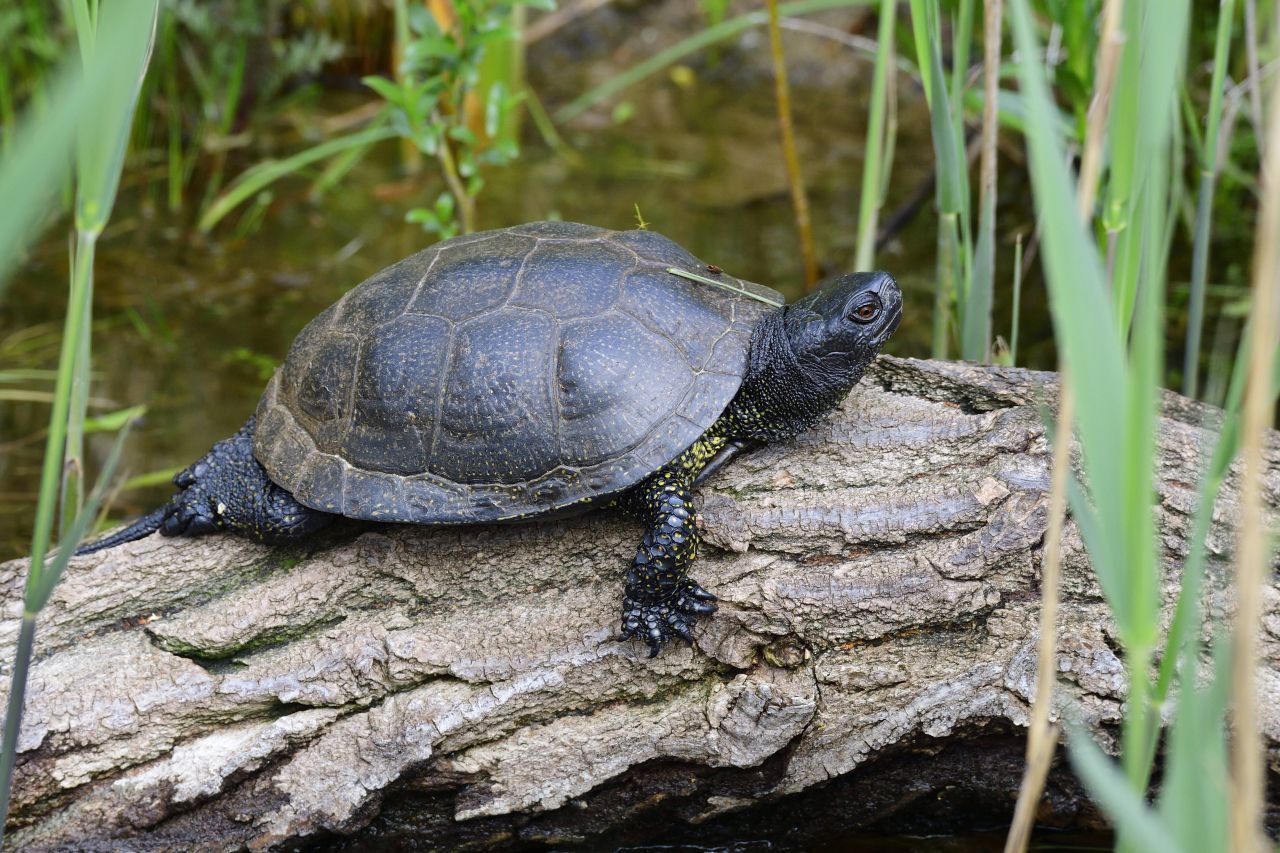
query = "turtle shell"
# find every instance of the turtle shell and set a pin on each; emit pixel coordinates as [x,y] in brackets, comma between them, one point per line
[505,374]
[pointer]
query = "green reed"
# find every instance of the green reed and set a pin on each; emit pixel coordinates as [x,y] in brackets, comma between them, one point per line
[955,304]
[875,166]
[1208,169]
[114,50]
[1109,325]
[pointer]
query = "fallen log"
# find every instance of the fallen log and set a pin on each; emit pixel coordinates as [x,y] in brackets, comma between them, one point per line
[876,636]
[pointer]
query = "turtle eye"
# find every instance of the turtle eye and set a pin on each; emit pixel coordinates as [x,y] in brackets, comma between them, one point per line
[865,312]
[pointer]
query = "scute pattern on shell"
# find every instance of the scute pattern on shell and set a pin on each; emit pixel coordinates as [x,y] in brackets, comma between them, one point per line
[504,374]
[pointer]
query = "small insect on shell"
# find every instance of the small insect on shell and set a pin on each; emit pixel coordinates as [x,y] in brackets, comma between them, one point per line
[713,268]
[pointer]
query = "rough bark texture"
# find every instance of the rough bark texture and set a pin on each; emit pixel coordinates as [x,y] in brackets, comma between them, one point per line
[876,637]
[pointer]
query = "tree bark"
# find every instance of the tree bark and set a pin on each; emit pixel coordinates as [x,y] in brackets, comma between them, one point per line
[876,636]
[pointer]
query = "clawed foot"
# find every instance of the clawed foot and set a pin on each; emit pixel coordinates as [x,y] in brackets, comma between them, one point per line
[228,490]
[657,622]
[191,512]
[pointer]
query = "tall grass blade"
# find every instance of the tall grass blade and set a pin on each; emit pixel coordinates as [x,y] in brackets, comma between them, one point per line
[101,145]
[37,596]
[1204,200]
[954,242]
[1187,612]
[1253,556]
[1141,826]
[786,128]
[100,151]
[115,57]
[1193,790]
[961,43]
[1078,299]
[874,167]
[258,177]
[38,161]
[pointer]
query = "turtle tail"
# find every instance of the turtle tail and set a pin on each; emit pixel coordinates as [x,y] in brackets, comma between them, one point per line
[144,526]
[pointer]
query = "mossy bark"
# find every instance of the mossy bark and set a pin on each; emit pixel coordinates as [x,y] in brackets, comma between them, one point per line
[879,586]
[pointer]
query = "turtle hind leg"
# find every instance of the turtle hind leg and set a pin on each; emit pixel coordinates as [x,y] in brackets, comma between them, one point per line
[661,601]
[225,490]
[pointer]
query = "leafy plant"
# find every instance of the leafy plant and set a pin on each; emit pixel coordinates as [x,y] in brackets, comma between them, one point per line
[430,101]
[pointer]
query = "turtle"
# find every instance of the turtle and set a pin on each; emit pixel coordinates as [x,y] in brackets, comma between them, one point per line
[529,372]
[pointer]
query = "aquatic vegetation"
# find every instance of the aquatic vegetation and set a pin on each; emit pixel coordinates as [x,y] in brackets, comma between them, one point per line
[440,102]
[1109,323]
[102,91]
[881,132]
[454,96]
[786,129]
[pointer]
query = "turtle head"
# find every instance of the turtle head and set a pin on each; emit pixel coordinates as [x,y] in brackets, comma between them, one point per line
[836,331]
[806,358]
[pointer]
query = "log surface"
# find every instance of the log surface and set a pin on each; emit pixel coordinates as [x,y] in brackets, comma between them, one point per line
[879,579]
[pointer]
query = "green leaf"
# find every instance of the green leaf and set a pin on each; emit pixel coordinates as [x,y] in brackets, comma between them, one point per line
[462,134]
[152,478]
[1110,789]
[254,179]
[105,124]
[389,90]
[422,216]
[38,162]
[113,421]
[1084,320]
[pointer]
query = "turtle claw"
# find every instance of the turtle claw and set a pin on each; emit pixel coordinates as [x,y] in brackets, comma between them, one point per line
[698,592]
[682,631]
[695,600]
[658,622]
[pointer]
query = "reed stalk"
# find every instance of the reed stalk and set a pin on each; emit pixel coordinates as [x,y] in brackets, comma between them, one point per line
[874,166]
[114,53]
[1209,164]
[1042,735]
[786,129]
[1015,319]
[1253,553]
[687,47]
[977,330]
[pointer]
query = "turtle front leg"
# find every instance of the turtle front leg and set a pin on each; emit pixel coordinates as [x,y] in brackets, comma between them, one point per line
[227,489]
[661,600]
